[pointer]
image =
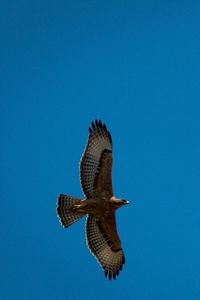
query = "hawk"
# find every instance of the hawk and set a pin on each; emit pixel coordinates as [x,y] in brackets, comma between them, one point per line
[99,204]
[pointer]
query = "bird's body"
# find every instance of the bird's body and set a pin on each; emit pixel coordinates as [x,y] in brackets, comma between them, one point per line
[100,203]
[98,207]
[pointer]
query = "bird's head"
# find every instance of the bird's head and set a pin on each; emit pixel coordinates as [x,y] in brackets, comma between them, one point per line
[118,202]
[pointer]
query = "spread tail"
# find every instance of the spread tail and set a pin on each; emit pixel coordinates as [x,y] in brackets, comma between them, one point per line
[67,215]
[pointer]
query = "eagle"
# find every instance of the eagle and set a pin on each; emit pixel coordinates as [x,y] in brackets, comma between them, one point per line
[99,204]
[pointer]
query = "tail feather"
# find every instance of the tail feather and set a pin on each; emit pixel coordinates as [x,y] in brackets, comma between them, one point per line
[65,212]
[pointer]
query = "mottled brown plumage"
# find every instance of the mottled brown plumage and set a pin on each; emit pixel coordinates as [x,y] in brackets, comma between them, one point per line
[100,204]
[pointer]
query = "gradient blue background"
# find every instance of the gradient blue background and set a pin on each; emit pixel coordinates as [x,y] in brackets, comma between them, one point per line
[136,66]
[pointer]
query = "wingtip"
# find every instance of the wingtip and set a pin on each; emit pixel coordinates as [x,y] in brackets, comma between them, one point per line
[111,275]
[98,125]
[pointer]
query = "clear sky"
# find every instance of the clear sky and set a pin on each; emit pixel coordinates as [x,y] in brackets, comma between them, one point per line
[136,66]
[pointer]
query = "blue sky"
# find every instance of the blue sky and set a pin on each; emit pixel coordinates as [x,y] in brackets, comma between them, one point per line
[135,65]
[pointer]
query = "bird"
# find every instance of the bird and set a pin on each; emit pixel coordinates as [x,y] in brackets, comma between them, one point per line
[99,205]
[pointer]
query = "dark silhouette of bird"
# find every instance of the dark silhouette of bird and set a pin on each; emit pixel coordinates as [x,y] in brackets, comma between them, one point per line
[99,204]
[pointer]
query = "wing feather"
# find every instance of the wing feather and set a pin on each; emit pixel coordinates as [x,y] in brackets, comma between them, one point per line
[105,245]
[97,160]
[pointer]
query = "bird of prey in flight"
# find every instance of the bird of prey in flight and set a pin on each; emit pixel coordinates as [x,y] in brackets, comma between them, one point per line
[99,204]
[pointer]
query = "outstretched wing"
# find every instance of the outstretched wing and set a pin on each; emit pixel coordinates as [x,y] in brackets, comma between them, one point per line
[103,241]
[96,162]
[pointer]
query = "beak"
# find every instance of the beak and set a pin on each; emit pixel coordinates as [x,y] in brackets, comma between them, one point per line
[125,202]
